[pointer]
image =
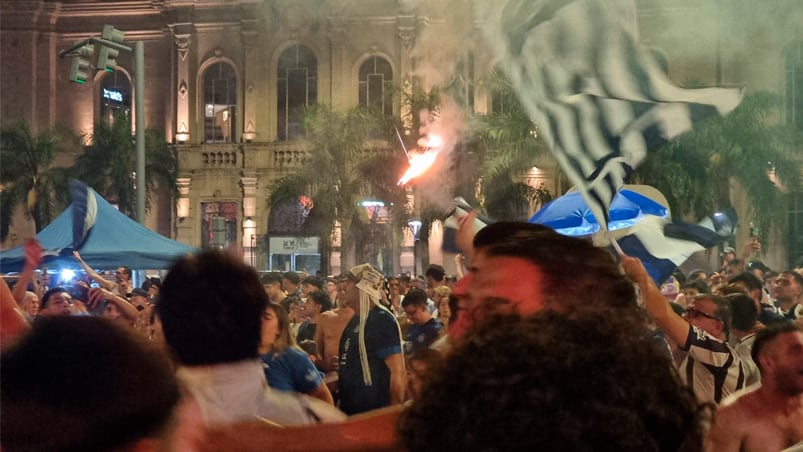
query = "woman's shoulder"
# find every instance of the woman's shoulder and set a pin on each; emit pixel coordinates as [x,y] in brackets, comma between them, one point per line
[294,353]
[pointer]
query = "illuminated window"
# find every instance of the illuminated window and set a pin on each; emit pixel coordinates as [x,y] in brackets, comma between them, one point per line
[220,103]
[219,224]
[376,82]
[297,81]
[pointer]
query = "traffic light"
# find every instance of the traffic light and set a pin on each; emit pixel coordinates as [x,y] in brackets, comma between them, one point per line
[106,55]
[80,65]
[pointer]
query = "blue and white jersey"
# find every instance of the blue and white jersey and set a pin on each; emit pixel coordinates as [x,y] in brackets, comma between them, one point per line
[712,368]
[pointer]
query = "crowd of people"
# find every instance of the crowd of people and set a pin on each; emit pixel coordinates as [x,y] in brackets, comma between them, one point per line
[544,342]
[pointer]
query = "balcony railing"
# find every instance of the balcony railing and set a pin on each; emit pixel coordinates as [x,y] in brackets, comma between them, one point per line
[279,156]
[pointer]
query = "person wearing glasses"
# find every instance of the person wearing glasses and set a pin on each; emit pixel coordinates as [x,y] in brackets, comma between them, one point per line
[122,284]
[712,367]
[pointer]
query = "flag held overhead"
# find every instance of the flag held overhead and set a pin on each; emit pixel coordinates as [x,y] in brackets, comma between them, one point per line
[599,97]
[85,211]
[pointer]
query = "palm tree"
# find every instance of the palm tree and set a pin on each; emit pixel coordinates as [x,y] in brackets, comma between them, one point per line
[509,143]
[108,163]
[344,167]
[747,147]
[27,174]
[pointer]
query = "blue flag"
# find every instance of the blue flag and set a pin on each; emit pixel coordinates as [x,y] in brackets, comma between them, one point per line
[84,210]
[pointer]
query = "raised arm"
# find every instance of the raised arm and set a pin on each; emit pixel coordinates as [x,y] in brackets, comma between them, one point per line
[105,283]
[33,255]
[12,320]
[98,294]
[658,309]
[465,235]
[459,262]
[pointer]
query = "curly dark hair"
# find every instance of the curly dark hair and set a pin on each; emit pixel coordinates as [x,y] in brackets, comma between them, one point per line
[552,383]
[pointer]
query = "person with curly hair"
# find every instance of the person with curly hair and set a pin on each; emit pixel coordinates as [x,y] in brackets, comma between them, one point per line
[549,382]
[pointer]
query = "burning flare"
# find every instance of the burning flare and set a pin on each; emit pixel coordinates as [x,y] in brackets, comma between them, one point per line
[422,161]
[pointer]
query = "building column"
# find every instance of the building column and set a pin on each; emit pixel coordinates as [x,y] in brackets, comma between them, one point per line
[183,39]
[184,212]
[248,182]
[253,70]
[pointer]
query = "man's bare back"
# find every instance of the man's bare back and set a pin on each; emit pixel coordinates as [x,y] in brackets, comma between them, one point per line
[756,423]
[330,327]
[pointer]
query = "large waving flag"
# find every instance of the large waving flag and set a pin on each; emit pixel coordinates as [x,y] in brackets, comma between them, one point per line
[663,246]
[599,98]
[84,212]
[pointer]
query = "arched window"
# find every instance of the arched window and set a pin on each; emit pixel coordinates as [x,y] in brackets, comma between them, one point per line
[115,96]
[297,81]
[793,68]
[220,103]
[376,81]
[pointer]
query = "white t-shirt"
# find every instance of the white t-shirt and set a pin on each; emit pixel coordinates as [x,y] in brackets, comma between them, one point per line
[227,393]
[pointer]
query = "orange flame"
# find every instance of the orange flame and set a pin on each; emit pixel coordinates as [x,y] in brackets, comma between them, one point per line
[421,162]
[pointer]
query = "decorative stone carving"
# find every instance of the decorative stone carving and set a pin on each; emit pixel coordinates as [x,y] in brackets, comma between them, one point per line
[182,89]
[183,45]
[406,30]
[183,184]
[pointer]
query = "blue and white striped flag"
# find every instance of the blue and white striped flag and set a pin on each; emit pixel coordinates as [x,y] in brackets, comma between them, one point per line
[84,211]
[663,246]
[598,97]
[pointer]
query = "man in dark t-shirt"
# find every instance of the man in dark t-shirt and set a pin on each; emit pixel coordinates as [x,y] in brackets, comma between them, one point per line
[381,342]
[371,368]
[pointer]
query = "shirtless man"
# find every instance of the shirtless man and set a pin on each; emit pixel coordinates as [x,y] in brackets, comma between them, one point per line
[769,418]
[330,327]
[122,284]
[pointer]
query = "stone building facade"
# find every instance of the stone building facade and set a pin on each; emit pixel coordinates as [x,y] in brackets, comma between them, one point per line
[227,79]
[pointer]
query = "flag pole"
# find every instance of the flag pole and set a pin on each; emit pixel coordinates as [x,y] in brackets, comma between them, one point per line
[613,242]
[406,154]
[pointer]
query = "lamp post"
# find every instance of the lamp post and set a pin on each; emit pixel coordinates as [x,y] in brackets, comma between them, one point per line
[415,227]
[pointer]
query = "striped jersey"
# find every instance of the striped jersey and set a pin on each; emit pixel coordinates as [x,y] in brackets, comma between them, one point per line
[712,368]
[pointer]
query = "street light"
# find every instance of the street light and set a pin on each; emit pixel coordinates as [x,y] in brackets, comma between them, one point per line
[415,227]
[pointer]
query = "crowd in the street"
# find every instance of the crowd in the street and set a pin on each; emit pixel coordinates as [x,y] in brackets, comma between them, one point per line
[541,342]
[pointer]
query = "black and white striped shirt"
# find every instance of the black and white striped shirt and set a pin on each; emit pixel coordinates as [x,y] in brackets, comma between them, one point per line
[712,368]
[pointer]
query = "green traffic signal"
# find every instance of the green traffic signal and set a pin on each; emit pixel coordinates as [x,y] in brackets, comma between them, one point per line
[80,65]
[107,56]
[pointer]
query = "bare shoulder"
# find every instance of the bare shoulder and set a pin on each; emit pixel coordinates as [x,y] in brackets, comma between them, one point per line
[327,316]
[746,408]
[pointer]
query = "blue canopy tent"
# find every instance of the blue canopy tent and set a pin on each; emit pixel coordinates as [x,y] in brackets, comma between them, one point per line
[113,241]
